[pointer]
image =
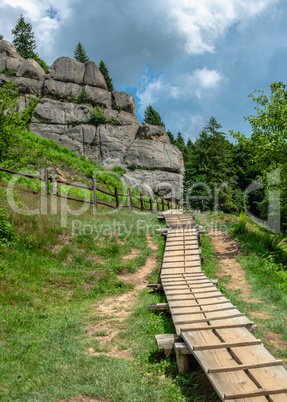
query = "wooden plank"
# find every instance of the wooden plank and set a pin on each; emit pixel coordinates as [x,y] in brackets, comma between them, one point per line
[245,367]
[191,320]
[225,345]
[203,311]
[178,298]
[213,327]
[185,304]
[257,392]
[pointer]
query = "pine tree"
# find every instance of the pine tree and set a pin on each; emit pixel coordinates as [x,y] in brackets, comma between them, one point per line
[24,39]
[1,37]
[80,54]
[104,70]
[152,117]
[171,137]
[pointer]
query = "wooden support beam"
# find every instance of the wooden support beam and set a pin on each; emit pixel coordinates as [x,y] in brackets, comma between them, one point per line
[165,342]
[257,392]
[158,306]
[181,359]
[226,345]
[244,367]
[155,286]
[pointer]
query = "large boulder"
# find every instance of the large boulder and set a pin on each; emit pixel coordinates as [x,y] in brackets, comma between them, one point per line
[29,68]
[9,58]
[142,186]
[114,143]
[154,154]
[99,96]
[156,133]
[167,185]
[66,69]
[57,112]
[25,85]
[124,101]
[93,76]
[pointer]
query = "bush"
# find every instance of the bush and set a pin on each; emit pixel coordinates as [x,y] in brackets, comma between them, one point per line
[6,229]
[241,226]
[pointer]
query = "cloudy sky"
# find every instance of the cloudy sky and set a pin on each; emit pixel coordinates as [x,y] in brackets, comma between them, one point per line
[189,59]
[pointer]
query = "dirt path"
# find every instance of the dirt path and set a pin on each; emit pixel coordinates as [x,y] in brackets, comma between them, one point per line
[115,309]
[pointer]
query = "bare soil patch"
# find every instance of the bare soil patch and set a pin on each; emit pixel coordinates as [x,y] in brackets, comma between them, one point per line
[135,252]
[226,250]
[115,309]
[275,340]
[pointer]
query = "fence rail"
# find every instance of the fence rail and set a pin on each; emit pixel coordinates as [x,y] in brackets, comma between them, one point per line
[160,204]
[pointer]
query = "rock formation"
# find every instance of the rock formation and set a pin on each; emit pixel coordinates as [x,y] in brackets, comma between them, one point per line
[77,111]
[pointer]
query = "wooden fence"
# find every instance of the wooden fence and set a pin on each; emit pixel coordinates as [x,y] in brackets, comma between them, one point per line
[152,204]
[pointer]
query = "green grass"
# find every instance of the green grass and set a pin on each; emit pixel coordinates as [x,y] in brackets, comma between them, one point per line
[49,278]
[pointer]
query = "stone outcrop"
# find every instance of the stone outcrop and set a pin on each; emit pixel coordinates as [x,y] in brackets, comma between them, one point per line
[72,97]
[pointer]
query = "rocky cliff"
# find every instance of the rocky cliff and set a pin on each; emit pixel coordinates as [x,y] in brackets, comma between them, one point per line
[77,111]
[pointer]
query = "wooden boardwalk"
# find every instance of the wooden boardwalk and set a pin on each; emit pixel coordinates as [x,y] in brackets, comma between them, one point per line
[216,332]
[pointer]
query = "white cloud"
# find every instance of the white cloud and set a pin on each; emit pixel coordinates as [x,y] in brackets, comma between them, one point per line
[183,86]
[201,23]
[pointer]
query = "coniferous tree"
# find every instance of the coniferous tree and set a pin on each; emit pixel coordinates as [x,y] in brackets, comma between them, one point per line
[104,70]
[151,116]
[171,137]
[24,39]
[80,54]
[1,37]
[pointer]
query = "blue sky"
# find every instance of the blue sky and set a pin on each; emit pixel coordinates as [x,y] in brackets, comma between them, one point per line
[189,59]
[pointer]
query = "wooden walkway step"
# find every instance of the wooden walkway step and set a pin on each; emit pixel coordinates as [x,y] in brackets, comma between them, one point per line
[216,333]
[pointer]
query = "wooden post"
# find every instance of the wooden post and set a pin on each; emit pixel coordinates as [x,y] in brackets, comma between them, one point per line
[181,359]
[157,206]
[95,193]
[142,202]
[117,198]
[162,203]
[168,205]
[55,187]
[46,178]
[150,203]
[131,200]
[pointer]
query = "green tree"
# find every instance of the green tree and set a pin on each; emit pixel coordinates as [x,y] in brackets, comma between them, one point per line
[151,116]
[211,166]
[1,37]
[171,137]
[104,70]
[24,39]
[11,122]
[267,145]
[80,54]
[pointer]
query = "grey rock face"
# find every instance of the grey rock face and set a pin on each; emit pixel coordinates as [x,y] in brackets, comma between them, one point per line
[159,165]
[61,90]
[99,96]
[155,154]
[124,100]
[142,186]
[115,142]
[156,133]
[93,76]
[29,68]
[67,70]
[166,184]
[9,58]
